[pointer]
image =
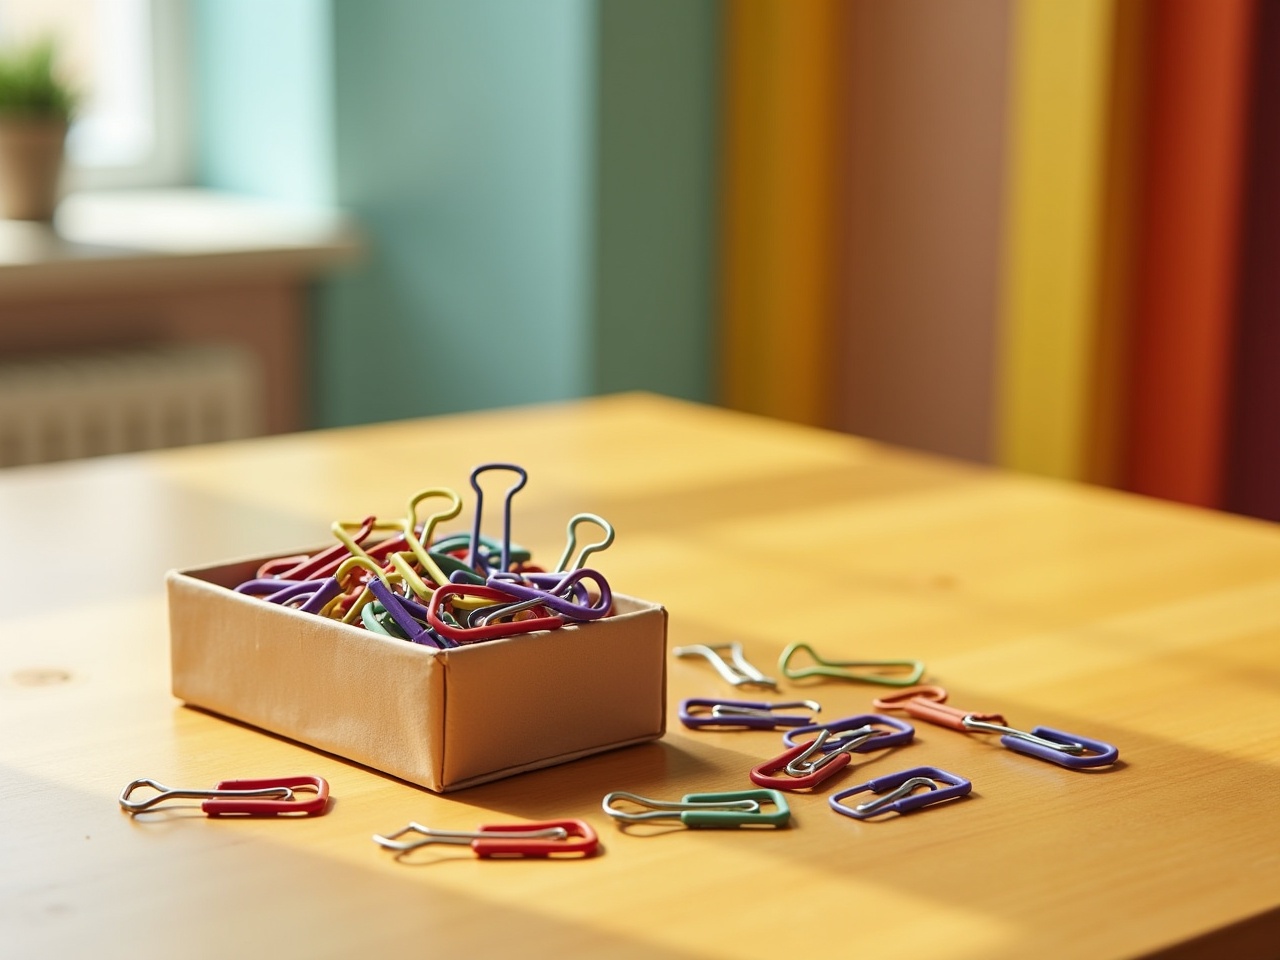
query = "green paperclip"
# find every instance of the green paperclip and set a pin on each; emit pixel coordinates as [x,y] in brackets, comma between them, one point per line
[839,669]
[736,818]
[738,808]
[458,541]
[376,619]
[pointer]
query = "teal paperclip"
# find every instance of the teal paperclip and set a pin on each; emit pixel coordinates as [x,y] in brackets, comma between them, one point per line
[737,808]
[375,618]
[841,669]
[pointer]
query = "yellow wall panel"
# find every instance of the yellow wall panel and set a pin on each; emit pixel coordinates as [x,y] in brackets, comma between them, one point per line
[1058,120]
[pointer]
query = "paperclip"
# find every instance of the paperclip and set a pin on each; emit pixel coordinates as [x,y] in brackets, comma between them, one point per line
[376,620]
[456,543]
[264,797]
[840,669]
[769,773]
[739,808]
[553,599]
[836,742]
[1044,743]
[505,561]
[590,548]
[418,545]
[863,728]
[697,713]
[736,669]
[900,797]
[435,616]
[545,839]
[397,609]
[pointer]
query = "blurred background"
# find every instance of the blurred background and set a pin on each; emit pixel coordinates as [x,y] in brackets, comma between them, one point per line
[1035,233]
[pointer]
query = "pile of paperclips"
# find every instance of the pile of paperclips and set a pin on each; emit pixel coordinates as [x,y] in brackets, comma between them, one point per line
[815,752]
[462,588]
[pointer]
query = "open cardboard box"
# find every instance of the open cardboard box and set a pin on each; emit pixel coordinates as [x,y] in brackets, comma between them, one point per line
[443,719]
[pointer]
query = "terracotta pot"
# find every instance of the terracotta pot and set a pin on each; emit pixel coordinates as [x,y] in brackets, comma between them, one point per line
[30,166]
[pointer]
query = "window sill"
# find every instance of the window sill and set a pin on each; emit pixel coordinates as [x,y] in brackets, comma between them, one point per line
[123,240]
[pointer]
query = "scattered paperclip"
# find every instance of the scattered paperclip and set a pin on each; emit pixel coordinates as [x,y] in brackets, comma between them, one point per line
[738,808]
[271,796]
[843,669]
[769,773]
[899,794]
[699,712]
[546,839]
[737,670]
[836,742]
[1045,743]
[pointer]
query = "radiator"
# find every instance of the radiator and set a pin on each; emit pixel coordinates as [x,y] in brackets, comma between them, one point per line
[119,401]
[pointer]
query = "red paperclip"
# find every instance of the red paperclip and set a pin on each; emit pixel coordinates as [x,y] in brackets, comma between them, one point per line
[764,774]
[544,839]
[270,796]
[256,806]
[926,703]
[493,630]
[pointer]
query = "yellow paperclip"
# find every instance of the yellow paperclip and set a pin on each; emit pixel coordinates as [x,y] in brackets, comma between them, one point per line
[416,545]
[340,527]
[345,568]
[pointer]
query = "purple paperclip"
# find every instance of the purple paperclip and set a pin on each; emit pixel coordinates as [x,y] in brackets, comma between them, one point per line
[414,631]
[326,590]
[905,733]
[552,599]
[294,591]
[1103,753]
[552,580]
[742,713]
[897,797]
[269,586]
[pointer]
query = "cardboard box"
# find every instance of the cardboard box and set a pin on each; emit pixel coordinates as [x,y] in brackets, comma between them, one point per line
[443,719]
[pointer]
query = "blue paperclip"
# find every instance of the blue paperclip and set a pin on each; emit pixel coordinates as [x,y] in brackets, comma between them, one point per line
[506,511]
[1046,743]
[898,796]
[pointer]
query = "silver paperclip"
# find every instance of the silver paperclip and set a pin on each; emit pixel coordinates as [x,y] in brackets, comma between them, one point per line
[850,740]
[737,670]
[972,723]
[871,807]
[169,793]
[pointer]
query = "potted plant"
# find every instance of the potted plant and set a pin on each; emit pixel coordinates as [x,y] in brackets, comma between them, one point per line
[35,108]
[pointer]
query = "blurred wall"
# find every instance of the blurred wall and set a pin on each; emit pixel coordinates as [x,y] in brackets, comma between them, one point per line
[535,181]
[1030,232]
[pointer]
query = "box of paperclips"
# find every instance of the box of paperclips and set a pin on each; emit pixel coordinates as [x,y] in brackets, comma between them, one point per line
[416,689]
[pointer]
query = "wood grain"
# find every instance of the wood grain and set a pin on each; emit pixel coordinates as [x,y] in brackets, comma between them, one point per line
[1147,624]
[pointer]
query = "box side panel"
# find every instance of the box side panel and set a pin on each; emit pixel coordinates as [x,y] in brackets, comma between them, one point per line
[525,702]
[372,700]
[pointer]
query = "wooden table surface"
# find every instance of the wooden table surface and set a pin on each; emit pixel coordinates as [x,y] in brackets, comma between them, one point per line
[1148,625]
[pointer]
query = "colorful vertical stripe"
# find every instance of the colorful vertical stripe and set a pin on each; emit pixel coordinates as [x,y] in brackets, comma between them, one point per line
[783,148]
[1058,122]
[1128,335]
[1187,271]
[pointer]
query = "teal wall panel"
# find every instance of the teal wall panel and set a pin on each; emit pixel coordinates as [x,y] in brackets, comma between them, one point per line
[656,124]
[535,182]
[264,94]
[464,146]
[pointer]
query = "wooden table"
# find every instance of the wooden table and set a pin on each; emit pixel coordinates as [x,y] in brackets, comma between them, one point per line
[1152,626]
